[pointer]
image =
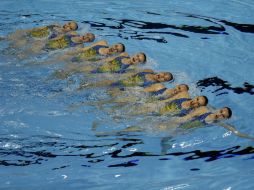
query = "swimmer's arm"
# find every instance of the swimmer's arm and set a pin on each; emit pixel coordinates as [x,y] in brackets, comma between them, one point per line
[147,70]
[235,131]
[154,87]
[76,50]
[81,49]
[113,57]
[197,112]
[133,72]
[95,84]
[73,33]
[102,43]
[177,96]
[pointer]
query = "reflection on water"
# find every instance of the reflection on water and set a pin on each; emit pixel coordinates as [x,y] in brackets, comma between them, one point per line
[224,85]
[24,152]
[127,29]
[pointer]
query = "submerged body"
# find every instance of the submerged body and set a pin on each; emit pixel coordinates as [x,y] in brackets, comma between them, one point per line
[21,38]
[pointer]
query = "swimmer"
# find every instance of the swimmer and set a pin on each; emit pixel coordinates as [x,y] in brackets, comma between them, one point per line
[148,79]
[148,82]
[169,94]
[200,118]
[95,52]
[21,38]
[178,107]
[117,64]
[90,53]
[60,42]
[120,64]
[152,100]
[68,40]
[154,93]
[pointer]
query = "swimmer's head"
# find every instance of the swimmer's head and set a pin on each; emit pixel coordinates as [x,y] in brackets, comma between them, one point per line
[138,58]
[163,77]
[116,48]
[221,114]
[88,37]
[181,88]
[70,26]
[198,101]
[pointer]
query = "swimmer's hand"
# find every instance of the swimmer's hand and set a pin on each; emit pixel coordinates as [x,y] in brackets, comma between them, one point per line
[235,131]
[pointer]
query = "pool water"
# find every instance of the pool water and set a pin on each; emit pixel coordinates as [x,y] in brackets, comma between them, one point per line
[46,139]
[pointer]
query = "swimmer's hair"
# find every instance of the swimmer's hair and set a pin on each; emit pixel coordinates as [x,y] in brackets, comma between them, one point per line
[171,76]
[144,56]
[229,112]
[186,86]
[91,34]
[206,100]
[76,25]
[122,46]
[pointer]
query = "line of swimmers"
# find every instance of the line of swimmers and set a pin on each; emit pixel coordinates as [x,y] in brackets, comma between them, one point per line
[99,57]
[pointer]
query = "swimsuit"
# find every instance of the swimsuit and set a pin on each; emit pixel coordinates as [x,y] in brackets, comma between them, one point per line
[43,32]
[89,54]
[61,43]
[159,92]
[138,79]
[114,66]
[196,122]
[175,106]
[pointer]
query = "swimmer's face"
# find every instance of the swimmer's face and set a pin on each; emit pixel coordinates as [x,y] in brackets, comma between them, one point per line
[220,114]
[164,76]
[138,58]
[88,37]
[180,88]
[116,48]
[198,101]
[70,26]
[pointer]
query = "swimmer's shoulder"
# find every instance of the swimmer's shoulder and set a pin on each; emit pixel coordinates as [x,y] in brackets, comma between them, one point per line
[154,87]
[101,43]
[195,113]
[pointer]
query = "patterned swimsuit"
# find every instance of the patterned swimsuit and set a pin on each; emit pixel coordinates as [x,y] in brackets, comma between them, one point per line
[114,66]
[138,79]
[175,106]
[196,122]
[89,54]
[44,32]
[61,43]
